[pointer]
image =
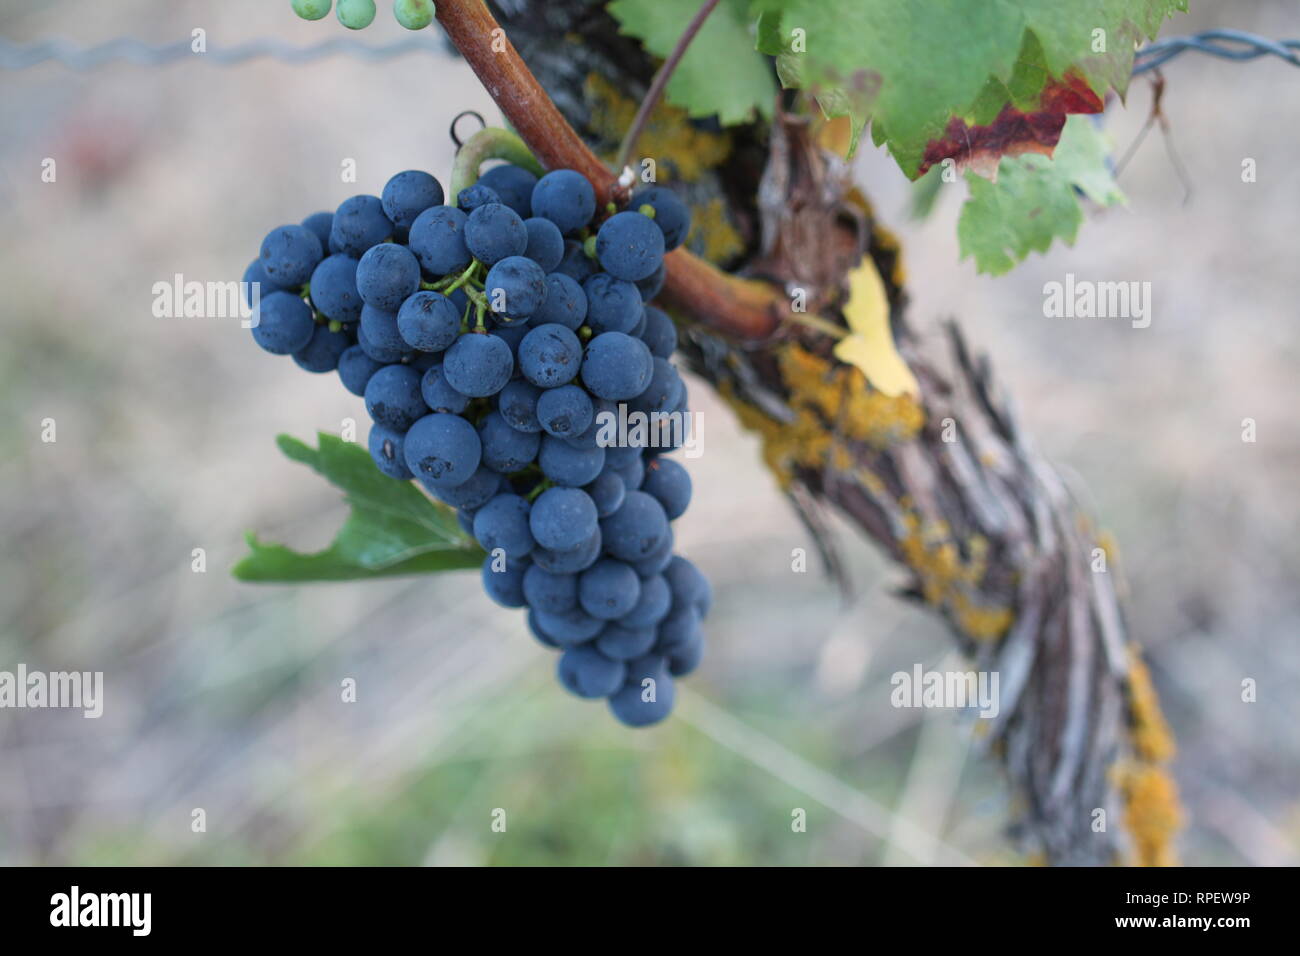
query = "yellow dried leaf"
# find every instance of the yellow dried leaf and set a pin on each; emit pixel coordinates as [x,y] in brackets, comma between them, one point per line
[870,344]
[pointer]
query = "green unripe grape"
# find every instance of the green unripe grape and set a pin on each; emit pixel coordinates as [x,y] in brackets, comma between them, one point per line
[311,9]
[356,14]
[414,14]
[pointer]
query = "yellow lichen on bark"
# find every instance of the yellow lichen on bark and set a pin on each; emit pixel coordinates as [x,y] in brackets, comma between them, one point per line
[1152,739]
[833,407]
[668,135]
[951,582]
[1152,810]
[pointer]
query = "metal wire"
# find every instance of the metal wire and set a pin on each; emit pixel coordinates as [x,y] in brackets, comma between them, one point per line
[1225,44]
[14,56]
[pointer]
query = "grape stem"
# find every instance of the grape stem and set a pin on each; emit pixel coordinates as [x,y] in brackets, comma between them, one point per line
[491,142]
[659,82]
[743,308]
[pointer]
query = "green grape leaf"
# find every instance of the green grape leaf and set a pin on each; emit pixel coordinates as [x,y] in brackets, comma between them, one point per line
[721,73]
[1033,201]
[915,69]
[394,529]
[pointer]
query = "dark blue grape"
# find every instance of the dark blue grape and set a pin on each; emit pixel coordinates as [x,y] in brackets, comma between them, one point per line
[570,627]
[586,672]
[632,473]
[685,658]
[670,484]
[505,587]
[563,304]
[650,286]
[629,704]
[576,264]
[384,354]
[605,412]
[621,456]
[512,335]
[653,603]
[623,642]
[289,254]
[566,198]
[355,369]
[495,231]
[550,355]
[437,238]
[255,277]
[607,491]
[359,223]
[569,466]
[505,449]
[536,628]
[440,396]
[386,449]
[565,411]
[323,350]
[569,562]
[408,194]
[554,593]
[381,333]
[478,365]
[689,586]
[386,275]
[515,287]
[563,519]
[476,197]
[393,397]
[428,321]
[471,494]
[660,335]
[283,323]
[658,560]
[608,589]
[612,304]
[639,327]
[545,244]
[513,185]
[672,216]
[442,450]
[678,629]
[517,404]
[630,246]
[617,366]
[634,531]
[334,289]
[503,523]
[662,391]
[423,361]
[319,223]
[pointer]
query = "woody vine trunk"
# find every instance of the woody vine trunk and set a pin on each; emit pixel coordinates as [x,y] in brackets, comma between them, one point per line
[949,485]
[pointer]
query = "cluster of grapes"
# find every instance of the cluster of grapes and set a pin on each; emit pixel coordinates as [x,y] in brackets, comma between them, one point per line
[359,14]
[498,343]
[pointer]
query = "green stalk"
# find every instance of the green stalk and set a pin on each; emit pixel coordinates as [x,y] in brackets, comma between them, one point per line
[491,142]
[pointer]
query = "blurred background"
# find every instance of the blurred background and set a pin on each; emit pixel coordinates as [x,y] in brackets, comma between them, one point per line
[226,697]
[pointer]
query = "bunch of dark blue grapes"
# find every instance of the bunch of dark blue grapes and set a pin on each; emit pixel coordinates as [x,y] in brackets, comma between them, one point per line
[498,343]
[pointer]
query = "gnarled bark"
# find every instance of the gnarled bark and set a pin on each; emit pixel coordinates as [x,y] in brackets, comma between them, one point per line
[948,485]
